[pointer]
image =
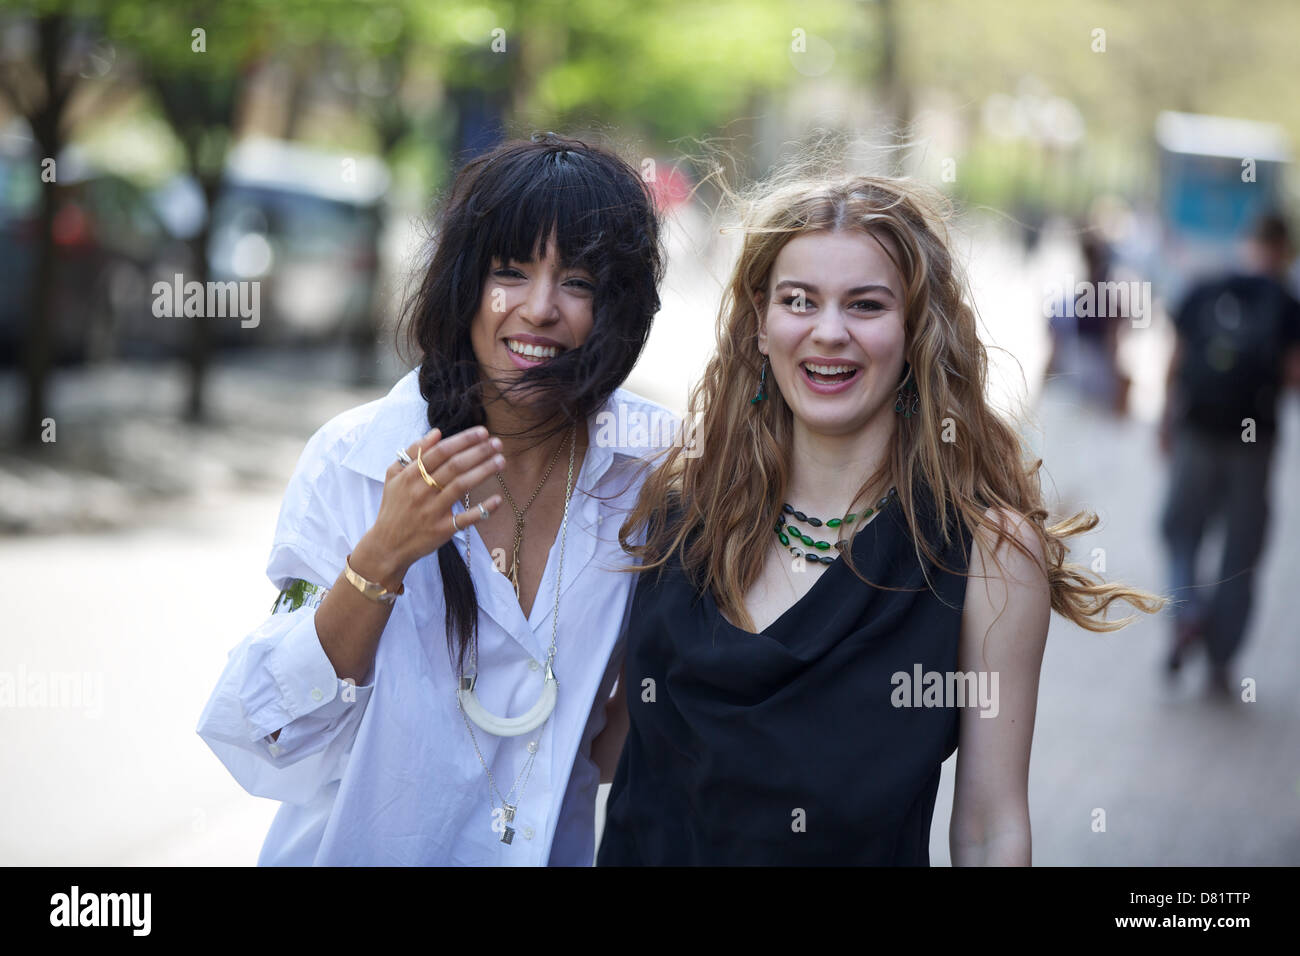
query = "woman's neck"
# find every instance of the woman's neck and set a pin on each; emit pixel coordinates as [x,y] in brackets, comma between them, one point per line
[527,458]
[826,470]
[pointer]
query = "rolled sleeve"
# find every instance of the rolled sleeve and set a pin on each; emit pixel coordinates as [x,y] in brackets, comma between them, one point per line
[279,677]
[302,674]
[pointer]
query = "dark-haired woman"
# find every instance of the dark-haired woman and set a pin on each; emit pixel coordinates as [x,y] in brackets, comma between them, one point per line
[809,649]
[428,686]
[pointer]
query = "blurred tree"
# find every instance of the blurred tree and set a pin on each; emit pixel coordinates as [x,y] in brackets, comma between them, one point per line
[446,79]
[1118,63]
[377,50]
[39,83]
[657,69]
[663,68]
[193,55]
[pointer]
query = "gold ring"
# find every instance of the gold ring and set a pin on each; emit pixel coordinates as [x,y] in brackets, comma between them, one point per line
[428,478]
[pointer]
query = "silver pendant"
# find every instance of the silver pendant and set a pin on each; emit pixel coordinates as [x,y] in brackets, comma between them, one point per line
[508,835]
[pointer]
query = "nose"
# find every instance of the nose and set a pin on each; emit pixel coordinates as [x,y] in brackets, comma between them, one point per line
[540,306]
[830,327]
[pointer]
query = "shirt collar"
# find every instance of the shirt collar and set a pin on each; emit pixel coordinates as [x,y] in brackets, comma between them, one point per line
[401,419]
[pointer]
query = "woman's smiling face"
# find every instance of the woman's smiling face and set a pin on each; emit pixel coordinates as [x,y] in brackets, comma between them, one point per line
[833,329]
[528,313]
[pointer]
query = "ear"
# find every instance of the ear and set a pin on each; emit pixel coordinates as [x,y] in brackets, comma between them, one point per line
[759,302]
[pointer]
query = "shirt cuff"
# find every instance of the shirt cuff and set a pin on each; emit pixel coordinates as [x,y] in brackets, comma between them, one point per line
[302,670]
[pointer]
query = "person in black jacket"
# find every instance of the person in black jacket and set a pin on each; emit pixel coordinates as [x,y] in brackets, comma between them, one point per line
[1238,344]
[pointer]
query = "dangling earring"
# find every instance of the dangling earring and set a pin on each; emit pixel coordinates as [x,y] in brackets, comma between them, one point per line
[762,384]
[909,399]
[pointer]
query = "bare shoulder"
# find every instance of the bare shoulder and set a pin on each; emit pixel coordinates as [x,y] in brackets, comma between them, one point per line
[1007,593]
[1016,527]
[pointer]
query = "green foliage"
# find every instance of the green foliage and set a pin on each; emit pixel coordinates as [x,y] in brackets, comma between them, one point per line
[669,69]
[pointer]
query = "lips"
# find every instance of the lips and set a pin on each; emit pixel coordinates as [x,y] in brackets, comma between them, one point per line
[529,351]
[827,376]
[533,350]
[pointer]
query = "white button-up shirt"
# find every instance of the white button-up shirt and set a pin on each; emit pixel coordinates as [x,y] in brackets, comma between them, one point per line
[384,773]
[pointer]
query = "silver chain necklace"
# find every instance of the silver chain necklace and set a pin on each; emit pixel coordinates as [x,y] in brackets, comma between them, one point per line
[540,711]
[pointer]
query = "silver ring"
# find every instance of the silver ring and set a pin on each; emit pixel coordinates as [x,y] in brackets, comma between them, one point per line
[403,457]
[453,521]
[482,510]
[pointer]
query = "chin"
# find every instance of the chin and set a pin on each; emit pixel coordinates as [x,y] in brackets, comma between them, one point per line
[507,386]
[834,424]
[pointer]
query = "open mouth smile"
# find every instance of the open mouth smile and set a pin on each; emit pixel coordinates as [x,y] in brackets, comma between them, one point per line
[828,378]
[527,354]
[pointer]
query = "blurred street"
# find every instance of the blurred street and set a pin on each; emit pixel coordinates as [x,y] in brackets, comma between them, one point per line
[1183,781]
[153,605]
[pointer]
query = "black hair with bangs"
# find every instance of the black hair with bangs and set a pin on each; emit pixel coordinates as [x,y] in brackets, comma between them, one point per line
[505,204]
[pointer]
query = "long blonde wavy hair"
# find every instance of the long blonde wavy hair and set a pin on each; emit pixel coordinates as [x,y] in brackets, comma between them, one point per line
[732,493]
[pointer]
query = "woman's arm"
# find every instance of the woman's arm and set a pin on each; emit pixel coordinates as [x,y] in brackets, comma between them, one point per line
[281,717]
[608,745]
[990,813]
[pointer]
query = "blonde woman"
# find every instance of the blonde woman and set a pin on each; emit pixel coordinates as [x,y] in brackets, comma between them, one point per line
[855,576]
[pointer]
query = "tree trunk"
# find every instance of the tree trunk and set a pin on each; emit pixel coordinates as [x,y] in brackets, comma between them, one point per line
[41,321]
[200,350]
[40,338]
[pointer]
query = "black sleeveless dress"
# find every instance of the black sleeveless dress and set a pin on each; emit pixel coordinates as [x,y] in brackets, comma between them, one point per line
[789,747]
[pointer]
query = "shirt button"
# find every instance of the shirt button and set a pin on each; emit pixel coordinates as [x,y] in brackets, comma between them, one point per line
[276,750]
[533,665]
[528,833]
[316,693]
[532,746]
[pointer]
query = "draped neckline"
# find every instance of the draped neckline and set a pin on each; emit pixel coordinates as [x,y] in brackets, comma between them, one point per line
[833,569]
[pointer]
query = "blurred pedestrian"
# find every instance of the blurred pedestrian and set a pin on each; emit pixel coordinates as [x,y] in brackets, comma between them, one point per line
[1238,343]
[1085,338]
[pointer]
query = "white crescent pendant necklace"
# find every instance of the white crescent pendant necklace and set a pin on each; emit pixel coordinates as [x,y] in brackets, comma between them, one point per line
[473,710]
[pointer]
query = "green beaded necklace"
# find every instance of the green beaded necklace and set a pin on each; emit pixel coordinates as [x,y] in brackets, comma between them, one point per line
[786,531]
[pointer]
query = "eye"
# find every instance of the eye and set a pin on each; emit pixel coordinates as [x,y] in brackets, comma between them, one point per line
[868,305]
[583,284]
[506,272]
[792,301]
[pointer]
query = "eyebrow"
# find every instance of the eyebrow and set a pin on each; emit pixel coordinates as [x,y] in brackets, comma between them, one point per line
[809,287]
[564,267]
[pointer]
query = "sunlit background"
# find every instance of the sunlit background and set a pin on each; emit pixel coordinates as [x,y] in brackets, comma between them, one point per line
[301,145]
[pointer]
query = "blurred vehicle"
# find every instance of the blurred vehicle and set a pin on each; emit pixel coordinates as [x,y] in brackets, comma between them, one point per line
[305,225]
[301,223]
[1217,176]
[109,243]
